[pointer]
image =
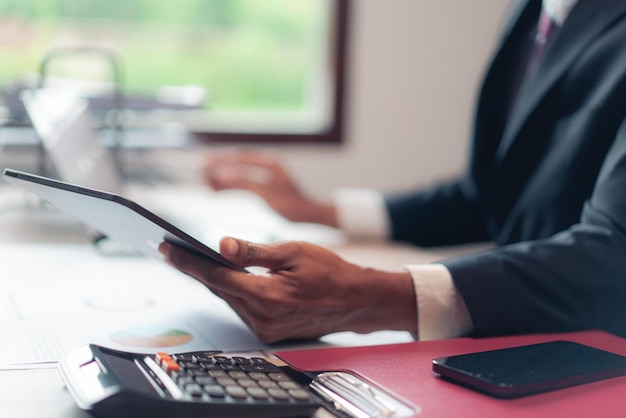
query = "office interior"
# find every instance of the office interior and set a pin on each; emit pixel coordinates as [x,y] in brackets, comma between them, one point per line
[412,71]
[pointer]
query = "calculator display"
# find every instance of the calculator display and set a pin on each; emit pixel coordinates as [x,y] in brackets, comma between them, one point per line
[127,374]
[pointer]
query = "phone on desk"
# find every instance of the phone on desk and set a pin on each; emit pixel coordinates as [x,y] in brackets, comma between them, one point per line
[525,370]
[113,383]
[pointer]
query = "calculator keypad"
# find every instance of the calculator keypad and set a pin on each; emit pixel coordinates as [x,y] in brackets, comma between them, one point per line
[209,377]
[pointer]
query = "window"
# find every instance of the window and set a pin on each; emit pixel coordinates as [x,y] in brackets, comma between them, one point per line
[242,70]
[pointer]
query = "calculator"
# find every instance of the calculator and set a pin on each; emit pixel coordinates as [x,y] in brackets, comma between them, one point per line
[113,383]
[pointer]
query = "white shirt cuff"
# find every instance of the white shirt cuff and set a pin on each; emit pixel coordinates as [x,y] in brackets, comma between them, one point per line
[362,213]
[441,311]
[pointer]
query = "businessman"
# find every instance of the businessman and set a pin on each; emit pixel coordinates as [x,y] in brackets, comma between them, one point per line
[546,182]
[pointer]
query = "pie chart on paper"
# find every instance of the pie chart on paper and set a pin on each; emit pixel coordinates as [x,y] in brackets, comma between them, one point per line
[151,337]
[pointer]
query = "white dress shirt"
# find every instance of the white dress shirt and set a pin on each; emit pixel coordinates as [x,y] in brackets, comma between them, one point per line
[558,10]
[441,311]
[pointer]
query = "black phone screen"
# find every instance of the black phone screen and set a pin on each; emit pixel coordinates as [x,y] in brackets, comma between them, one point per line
[524,370]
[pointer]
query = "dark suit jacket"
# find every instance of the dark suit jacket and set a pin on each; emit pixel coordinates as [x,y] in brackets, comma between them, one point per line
[546,182]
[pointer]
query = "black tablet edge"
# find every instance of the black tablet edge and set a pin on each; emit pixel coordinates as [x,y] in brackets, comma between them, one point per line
[182,239]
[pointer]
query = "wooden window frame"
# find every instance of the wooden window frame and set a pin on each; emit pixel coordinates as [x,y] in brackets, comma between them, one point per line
[334,133]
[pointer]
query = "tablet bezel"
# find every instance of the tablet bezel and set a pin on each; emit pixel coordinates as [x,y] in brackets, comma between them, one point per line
[56,192]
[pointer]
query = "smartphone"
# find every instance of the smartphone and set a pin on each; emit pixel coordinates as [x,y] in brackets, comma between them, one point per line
[529,369]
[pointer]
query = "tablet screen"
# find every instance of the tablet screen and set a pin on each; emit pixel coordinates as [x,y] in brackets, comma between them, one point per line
[115,216]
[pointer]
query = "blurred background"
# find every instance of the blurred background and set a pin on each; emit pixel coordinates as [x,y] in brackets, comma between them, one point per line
[403,75]
[235,50]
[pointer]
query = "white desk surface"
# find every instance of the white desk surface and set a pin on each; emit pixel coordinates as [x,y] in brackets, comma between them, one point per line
[40,393]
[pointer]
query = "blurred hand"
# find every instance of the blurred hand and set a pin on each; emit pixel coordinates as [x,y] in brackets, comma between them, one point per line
[308,291]
[265,176]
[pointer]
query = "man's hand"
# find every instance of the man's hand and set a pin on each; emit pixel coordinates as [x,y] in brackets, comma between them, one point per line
[308,291]
[265,176]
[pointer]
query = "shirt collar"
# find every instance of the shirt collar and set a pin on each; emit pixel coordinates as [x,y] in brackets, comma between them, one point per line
[558,10]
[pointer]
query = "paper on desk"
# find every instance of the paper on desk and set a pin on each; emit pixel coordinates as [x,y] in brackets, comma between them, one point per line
[54,298]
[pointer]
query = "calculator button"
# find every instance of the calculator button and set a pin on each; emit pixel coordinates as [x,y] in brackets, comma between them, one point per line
[299,394]
[259,368]
[217,373]
[214,391]
[258,393]
[160,356]
[278,377]
[238,375]
[200,357]
[289,385]
[278,394]
[184,380]
[267,384]
[194,390]
[258,376]
[166,362]
[242,360]
[230,367]
[236,392]
[225,381]
[209,365]
[170,366]
[197,372]
[182,357]
[247,383]
[205,380]
[189,365]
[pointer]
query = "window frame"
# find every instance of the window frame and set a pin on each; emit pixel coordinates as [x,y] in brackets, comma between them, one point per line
[334,133]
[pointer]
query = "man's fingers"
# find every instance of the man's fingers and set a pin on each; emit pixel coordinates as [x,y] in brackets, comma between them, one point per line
[248,158]
[235,176]
[247,254]
[241,170]
[213,275]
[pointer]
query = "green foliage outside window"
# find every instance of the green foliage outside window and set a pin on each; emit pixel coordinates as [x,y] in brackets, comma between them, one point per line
[248,54]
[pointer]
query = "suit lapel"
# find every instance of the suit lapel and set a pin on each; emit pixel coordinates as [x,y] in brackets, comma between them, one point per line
[587,20]
[514,16]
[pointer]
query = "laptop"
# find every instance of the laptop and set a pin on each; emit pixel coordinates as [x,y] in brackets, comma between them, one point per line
[117,217]
[64,124]
[63,121]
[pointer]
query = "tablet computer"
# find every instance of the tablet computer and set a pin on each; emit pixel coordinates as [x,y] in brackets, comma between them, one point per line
[116,217]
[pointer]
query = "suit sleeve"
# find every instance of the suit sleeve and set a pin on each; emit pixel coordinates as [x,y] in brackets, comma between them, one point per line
[447,214]
[573,280]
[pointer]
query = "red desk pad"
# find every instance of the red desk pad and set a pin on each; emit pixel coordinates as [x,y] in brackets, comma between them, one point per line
[406,370]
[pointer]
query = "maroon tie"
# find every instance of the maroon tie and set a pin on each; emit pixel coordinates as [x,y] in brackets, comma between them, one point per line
[531,53]
[546,29]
